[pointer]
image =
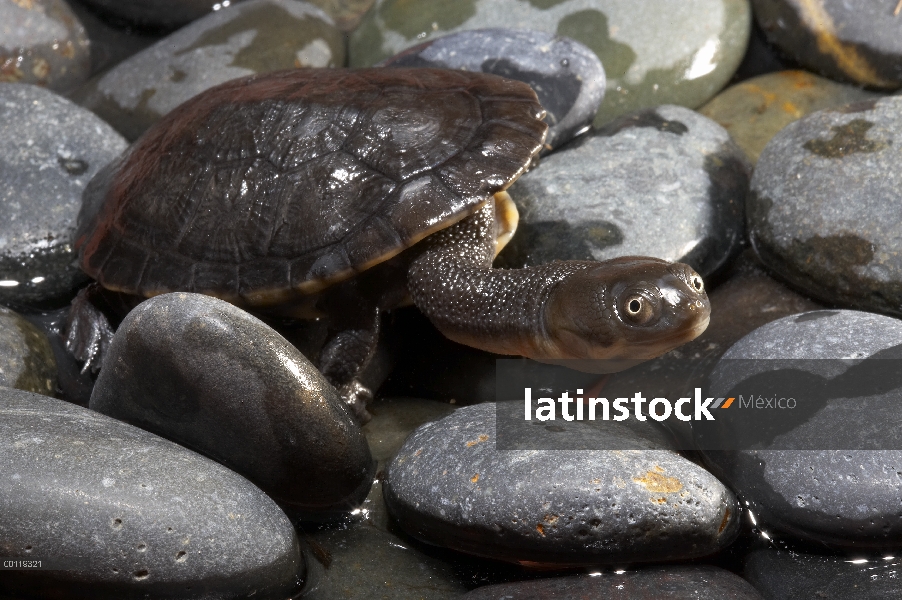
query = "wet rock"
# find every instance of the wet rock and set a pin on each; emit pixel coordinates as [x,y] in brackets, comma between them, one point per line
[857,42]
[784,575]
[653,51]
[26,359]
[662,182]
[824,208]
[843,487]
[755,110]
[450,486]
[42,42]
[162,14]
[130,514]
[210,376]
[346,13]
[567,77]
[51,150]
[109,44]
[761,57]
[256,36]
[658,583]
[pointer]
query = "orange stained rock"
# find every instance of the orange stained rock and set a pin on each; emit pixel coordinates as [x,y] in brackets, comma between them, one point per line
[846,55]
[658,483]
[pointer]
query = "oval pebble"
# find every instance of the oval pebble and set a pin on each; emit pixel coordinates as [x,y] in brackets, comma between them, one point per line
[664,182]
[756,109]
[117,512]
[848,498]
[208,375]
[847,41]
[567,77]
[51,149]
[653,51]
[43,42]
[656,583]
[255,36]
[26,358]
[823,212]
[450,486]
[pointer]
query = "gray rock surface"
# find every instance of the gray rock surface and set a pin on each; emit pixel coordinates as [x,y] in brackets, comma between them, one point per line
[450,486]
[786,575]
[824,208]
[208,375]
[567,76]
[831,494]
[26,358]
[255,36]
[654,51]
[51,149]
[848,41]
[129,514]
[42,42]
[664,182]
[655,583]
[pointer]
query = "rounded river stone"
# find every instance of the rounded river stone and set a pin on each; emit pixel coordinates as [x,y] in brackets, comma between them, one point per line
[110,44]
[664,182]
[51,149]
[567,77]
[255,36]
[847,498]
[823,211]
[347,13]
[450,486]
[654,583]
[848,41]
[785,575]
[129,514]
[654,51]
[163,14]
[26,358]
[755,110]
[209,376]
[42,42]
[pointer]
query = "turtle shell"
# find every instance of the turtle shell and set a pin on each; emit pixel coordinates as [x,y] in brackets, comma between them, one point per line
[276,185]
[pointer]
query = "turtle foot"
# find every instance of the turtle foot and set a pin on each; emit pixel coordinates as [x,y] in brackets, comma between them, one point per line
[87,333]
[357,396]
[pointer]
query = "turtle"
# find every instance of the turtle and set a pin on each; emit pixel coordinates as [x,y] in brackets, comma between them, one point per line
[341,193]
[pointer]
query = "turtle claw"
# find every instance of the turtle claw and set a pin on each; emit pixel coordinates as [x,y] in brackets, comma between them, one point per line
[357,396]
[88,332]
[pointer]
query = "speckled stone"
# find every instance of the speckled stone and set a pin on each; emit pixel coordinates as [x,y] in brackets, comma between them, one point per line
[755,110]
[847,498]
[26,359]
[663,182]
[133,514]
[255,36]
[567,77]
[823,211]
[784,575]
[656,583]
[42,42]
[847,41]
[654,51]
[163,14]
[207,375]
[51,148]
[450,486]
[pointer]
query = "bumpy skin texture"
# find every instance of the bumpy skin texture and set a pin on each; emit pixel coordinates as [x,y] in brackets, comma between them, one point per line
[276,185]
[623,311]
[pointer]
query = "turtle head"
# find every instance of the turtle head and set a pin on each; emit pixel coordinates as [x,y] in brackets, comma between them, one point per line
[623,311]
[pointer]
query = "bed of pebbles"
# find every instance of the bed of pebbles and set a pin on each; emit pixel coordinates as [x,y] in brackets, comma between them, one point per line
[210,459]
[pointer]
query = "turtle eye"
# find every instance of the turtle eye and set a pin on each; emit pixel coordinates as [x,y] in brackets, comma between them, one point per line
[638,309]
[697,284]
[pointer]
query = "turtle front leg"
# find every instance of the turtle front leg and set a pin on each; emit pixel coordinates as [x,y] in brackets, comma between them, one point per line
[349,348]
[88,332]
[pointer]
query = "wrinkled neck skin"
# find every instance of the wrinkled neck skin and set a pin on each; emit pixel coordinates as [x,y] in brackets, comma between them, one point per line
[565,310]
